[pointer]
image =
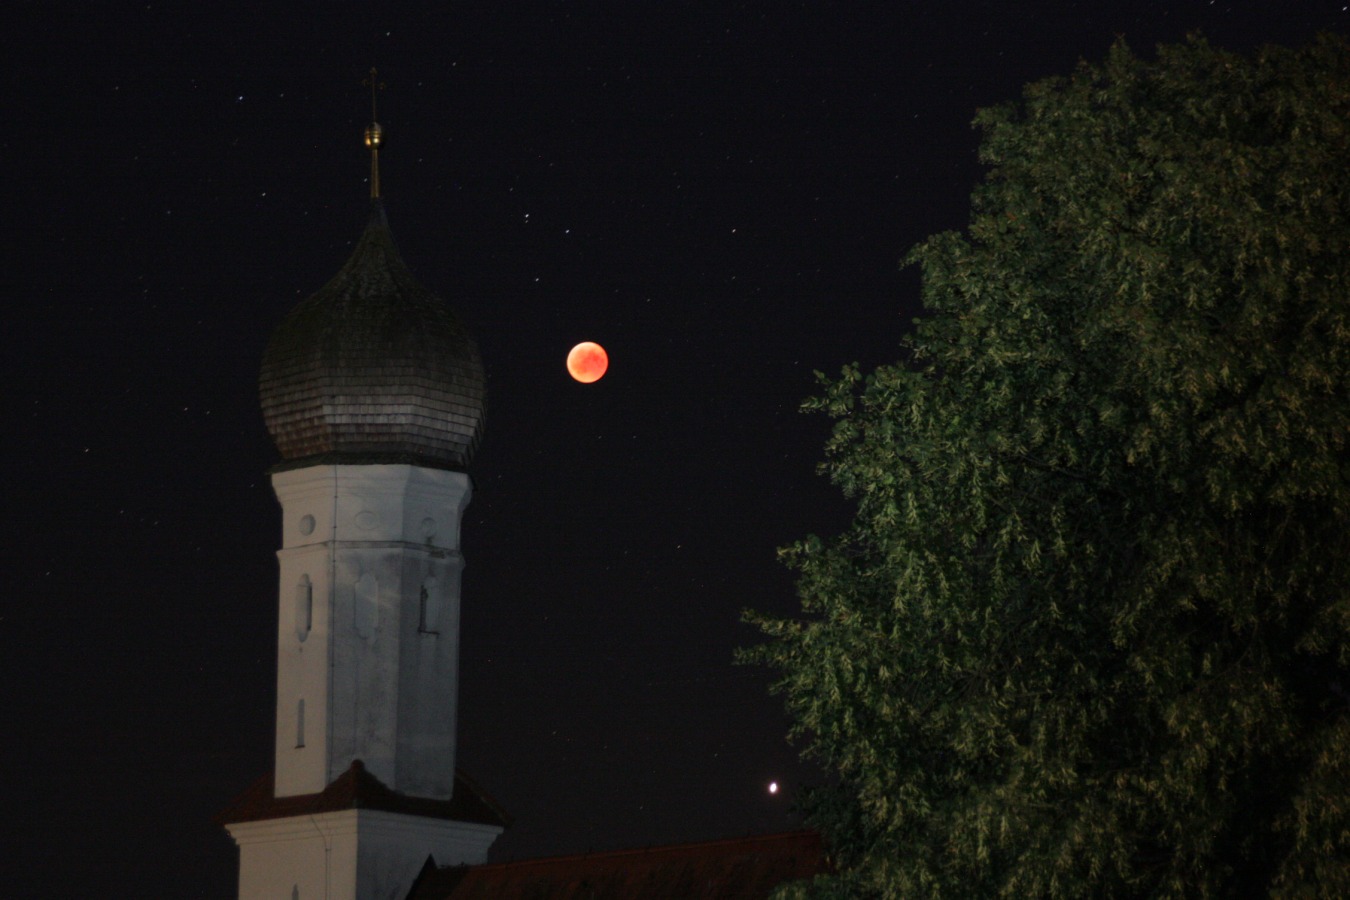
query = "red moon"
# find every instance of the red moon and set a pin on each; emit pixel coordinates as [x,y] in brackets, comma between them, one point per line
[587,362]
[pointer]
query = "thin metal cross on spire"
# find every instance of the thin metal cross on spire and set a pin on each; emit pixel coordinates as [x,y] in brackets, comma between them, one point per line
[374,135]
[375,85]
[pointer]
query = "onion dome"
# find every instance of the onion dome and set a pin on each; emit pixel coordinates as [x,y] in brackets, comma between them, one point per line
[373,368]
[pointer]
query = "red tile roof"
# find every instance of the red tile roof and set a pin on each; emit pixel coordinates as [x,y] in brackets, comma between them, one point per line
[358,789]
[738,869]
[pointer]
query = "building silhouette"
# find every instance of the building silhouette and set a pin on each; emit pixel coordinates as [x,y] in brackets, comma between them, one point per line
[373,392]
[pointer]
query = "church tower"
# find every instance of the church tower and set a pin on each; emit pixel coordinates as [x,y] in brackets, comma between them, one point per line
[373,392]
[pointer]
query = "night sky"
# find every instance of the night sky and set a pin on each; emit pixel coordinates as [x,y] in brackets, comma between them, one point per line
[718,193]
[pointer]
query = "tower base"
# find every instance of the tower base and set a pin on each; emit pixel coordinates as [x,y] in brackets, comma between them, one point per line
[356,840]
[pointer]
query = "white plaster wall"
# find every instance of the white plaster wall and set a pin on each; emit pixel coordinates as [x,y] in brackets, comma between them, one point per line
[428,678]
[318,854]
[303,671]
[376,687]
[350,855]
[394,847]
[366,659]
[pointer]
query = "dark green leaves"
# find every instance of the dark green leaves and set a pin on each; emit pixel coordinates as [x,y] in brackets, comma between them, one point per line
[1089,632]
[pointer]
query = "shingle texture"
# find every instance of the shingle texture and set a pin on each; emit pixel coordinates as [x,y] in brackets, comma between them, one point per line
[373,368]
[358,789]
[741,869]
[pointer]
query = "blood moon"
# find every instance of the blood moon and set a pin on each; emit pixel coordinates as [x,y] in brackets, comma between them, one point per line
[587,362]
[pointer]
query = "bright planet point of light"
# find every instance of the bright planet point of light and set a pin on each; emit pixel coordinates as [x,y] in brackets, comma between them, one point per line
[587,361]
[773,787]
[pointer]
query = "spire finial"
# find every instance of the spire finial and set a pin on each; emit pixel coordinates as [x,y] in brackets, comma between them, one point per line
[374,135]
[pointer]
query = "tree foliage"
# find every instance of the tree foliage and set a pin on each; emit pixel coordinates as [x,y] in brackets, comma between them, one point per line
[1089,632]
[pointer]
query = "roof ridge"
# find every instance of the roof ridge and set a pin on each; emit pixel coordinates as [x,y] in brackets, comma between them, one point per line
[801,833]
[358,788]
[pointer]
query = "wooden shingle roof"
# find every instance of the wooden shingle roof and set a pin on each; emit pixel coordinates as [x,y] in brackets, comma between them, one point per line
[738,869]
[373,368]
[358,789]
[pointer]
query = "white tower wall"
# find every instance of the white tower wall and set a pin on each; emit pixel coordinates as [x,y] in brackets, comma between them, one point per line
[354,854]
[368,632]
[370,367]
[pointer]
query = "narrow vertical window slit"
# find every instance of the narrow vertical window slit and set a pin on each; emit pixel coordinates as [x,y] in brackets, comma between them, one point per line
[304,608]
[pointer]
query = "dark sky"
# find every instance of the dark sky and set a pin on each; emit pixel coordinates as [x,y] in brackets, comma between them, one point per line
[719,193]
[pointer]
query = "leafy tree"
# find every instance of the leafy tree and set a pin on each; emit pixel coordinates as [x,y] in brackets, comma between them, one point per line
[1089,633]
